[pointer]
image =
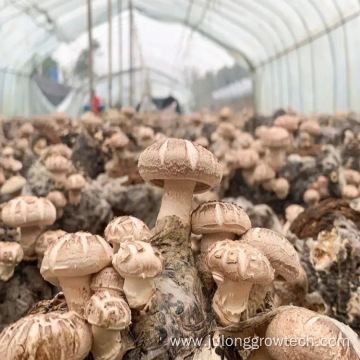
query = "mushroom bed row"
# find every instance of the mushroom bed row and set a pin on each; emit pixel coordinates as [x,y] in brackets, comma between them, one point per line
[145,228]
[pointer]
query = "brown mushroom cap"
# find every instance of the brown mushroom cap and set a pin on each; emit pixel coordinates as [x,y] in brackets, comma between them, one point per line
[75,182]
[25,211]
[57,163]
[13,185]
[78,254]
[119,140]
[247,158]
[57,198]
[107,279]
[287,122]
[281,254]
[217,216]
[47,337]
[176,159]
[45,239]
[311,127]
[108,310]
[276,137]
[138,259]
[125,228]
[61,149]
[238,261]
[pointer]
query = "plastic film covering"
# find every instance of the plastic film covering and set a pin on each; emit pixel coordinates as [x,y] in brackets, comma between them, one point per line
[302,54]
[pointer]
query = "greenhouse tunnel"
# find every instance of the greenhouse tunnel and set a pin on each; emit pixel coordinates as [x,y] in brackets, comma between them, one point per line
[301,54]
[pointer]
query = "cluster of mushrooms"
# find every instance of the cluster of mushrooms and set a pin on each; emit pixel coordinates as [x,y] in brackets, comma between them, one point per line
[112,282]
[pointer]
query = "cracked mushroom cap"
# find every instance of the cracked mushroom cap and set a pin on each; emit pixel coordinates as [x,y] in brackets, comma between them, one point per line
[25,211]
[311,127]
[176,159]
[13,185]
[237,261]
[107,279]
[138,259]
[247,158]
[57,198]
[280,252]
[276,137]
[263,172]
[47,238]
[119,140]
[217,216]
[48,336]
[288,122]
[124,228]
[75,182]
[57,163]
[76,254]
[108,310]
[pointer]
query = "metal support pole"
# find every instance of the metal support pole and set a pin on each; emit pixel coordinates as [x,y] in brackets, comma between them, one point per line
[120,54]
[109,8]
[131,49]
[90,55]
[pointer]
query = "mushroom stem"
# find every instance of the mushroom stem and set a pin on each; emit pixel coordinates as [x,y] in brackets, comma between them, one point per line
[138,291]
[28,238]
[59,212]
[75,196]
[6,272]
[208,239]
[60,179]
[77,292]
[231,300]
[177,200]
[275,158]
[107,344]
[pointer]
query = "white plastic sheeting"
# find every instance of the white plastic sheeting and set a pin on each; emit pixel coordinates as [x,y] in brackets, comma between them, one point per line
[302,53]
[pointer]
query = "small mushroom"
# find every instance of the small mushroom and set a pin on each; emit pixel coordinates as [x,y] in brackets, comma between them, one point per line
[124,228]
[236,267]
[281,188]
[181,167]
[291,213]
[49,336]
[59,167]
[225,114]
[107,279]
[13,186]
[31,214]
[75,184]
[43,242]
[264,175]
[58,199]
[305,140]
[350,192]
[311,197]
[60,149]
[352,177]
[312,128]
[138,263]
[72,259]
[11,254]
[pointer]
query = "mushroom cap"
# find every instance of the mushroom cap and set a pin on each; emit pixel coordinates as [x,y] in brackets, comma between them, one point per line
[13,185]
[176,159]
[311,127]
[145,133]
[281,187]
[119,140]
[237,261]
[26,130]
[22,144]
[138,259]
[217,216]
[125,228]
[107,279]
[61,149]
[28,210]
[247,158]
[57,198]
[49,336]
[258,146]
[352,177]
[226,130]
[293,211]
[45,239]
[108,310]
[244,139]
[75,182]
[59,115]
[261,130]
[11,253]
[311,196]
[287,122]
[89,119]
[281,254]
[57,163]
[263,172]
[202,141]
[225,113]
[11,164]
[350,192]
[276,137]
[77,254]
[128,111]
[8,151]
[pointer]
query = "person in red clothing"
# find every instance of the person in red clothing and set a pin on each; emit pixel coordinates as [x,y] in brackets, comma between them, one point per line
[95,103]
